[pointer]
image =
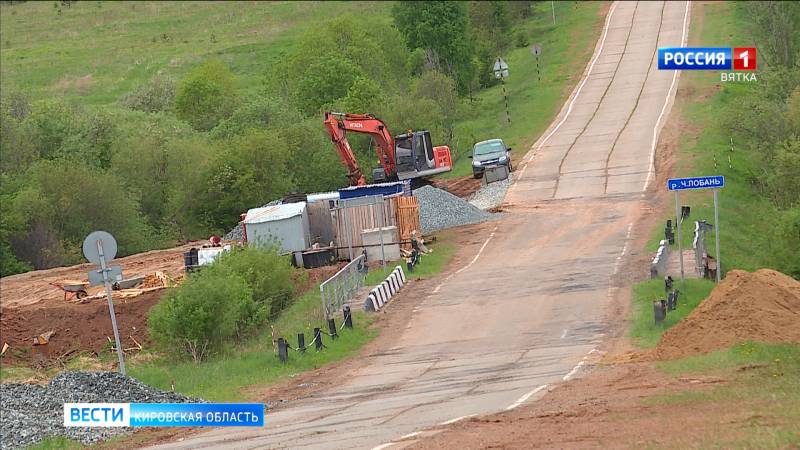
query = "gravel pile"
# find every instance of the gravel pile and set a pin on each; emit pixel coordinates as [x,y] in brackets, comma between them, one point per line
[31,413]
[439,209]
[491,195]
[237,233]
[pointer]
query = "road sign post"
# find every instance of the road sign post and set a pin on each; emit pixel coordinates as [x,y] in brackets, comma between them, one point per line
[715,183]
[100,248]
[678,223]
[716,233]
[501,72]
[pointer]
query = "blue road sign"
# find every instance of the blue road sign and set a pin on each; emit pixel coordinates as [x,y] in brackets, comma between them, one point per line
[712,182]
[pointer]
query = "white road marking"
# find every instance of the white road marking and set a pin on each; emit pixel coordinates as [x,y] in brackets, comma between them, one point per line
[477,255]
[410,435]
[525,397]
[564,334]
[528,155]
[586,78]
[651,169]
[382,446]
[448,422]
[574,371]
[522,172]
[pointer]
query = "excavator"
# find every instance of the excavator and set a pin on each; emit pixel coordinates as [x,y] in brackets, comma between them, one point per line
[406,156]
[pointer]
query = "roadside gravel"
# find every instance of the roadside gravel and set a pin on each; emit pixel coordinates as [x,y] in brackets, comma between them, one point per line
[32,413]
[491,195]
[439,209]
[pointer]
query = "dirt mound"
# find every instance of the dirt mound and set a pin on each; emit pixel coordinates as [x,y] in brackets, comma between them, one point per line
[759,306]
[76,328]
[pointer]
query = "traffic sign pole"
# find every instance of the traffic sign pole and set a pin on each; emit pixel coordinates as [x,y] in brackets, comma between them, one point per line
[715,183]
[107,284]
[716,233]
[678,224]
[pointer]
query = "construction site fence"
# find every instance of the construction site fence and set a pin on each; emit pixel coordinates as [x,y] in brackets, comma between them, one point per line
[343,286]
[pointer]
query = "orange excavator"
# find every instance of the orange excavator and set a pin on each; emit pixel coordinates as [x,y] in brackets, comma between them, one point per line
[406,156]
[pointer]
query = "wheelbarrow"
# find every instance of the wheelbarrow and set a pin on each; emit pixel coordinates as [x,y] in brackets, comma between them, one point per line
[72,288]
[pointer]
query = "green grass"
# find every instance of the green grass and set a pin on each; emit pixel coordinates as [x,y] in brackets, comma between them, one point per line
[763,381]
[644,331]
[56,443]
[9,373]
[566,49]
[254,362]
[745,241]
[44,53]
[431,264]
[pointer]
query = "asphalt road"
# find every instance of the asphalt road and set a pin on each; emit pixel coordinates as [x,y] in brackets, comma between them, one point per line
[533,304]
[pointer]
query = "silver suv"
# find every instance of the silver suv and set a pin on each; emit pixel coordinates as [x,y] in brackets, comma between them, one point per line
[489,153]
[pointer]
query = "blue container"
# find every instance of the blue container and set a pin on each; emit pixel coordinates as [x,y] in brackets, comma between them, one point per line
[385,189]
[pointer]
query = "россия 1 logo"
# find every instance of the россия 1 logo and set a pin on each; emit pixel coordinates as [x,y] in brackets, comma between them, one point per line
[742,60]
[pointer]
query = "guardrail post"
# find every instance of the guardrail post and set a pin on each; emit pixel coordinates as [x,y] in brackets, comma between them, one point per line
[332,328]
[283,354]
[301,342]
[348,317]
[658,312]
[318,339]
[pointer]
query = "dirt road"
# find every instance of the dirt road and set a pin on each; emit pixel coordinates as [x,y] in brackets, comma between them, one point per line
[531,304]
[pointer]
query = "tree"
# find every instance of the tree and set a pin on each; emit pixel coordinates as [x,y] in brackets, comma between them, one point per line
[50,124]
[776,24]
[442,27]
[206,96]
[248,171]
[441,89]
[157,94]
[17,152]
[63,201]
[321,68]
[258,113]
[324,81]
[314,164]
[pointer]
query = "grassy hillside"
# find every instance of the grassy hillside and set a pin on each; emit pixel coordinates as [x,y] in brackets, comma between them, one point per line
[95,52]
[754,231]
[223,102]
[566,47]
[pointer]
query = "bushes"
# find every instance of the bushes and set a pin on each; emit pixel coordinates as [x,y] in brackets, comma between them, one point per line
[201,315]
[206,96]
[223,302]
[158,94]
[268,274]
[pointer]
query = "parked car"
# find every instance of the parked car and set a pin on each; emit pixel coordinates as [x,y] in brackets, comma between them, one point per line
[488,153]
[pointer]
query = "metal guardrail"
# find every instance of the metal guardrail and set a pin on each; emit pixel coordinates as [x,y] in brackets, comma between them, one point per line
[341,287]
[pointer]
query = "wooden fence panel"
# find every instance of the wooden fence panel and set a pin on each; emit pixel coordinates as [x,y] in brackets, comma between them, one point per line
[407,219]
[360,218]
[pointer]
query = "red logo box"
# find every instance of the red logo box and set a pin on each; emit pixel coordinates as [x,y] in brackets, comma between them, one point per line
[744,58]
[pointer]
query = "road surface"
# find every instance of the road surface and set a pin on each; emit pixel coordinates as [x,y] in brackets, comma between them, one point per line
[527,311]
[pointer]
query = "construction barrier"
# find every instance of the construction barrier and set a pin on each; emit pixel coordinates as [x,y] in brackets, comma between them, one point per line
[382,293]
[658,266]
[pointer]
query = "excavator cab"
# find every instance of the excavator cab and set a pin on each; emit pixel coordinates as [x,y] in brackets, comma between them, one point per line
[417,157]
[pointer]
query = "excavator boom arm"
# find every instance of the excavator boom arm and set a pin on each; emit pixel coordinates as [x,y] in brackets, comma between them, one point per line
[338,124]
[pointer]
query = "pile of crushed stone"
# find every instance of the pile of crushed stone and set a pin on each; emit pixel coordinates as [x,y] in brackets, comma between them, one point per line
[760,306]
[32,413]
[440,209]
